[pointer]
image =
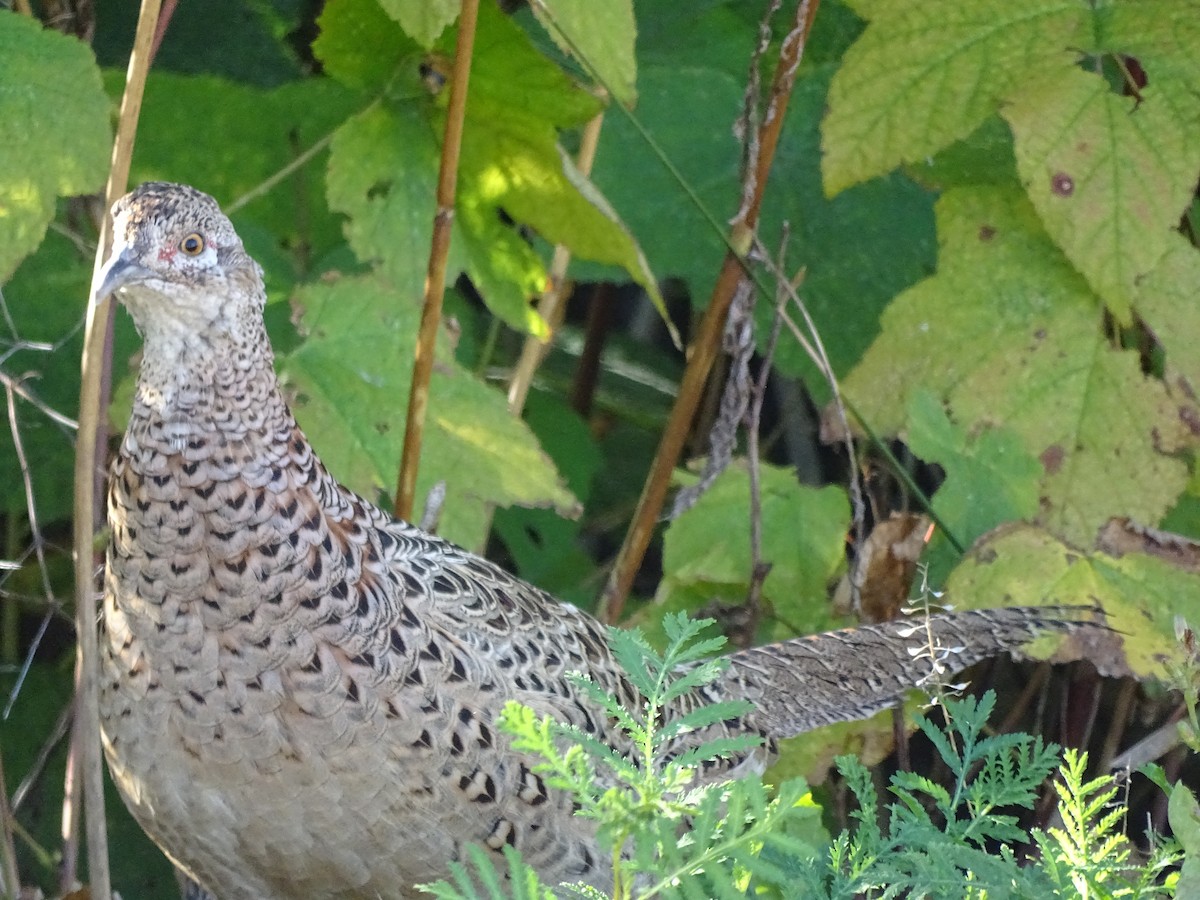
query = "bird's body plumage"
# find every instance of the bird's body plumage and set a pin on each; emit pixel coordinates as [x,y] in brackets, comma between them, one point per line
[298,691]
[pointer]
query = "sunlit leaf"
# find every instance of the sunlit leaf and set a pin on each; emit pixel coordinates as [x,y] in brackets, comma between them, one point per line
[926,74]
[54,134]
[350,380]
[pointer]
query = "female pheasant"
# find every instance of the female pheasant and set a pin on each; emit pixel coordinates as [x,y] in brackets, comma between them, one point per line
[298,690]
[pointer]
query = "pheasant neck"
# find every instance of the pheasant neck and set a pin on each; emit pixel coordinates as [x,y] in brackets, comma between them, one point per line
[225,389]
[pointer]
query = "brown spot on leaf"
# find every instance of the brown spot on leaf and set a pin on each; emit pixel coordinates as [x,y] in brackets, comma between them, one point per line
[1062,184]
[986,232]
[1052,459]
[1190,418]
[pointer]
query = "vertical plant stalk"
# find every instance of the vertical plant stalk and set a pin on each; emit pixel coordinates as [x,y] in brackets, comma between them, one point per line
[89,469]
[435,277]
[10,883]
[760,568]
[552,304]
[708,339]
[587,373]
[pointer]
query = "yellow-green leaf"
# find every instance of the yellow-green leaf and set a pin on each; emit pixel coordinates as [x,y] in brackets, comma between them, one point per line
[1007,332]
[926,74]
[422,20]
[1141,594]
[1109,175]
[1167,302]
[803,532]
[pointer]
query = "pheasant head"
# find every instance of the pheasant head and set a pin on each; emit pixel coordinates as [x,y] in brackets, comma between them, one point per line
[196,297]
[180,269]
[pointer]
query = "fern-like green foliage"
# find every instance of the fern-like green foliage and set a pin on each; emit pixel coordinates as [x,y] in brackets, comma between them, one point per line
[671,836]
[960,842]
[1089,856]
[938,841]
[668,835]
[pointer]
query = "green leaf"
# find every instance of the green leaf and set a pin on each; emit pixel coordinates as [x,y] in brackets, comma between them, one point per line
[360,46]
[247,41]
[990,476]
[422,20]
[812,755]
[1140,594]
[600,35]
[54,134]
[1183,812]
[384,164]
[509,73]
[383,175]
[803,533]
[511,160]
[1166,302]
[1109,175]
[985,156]
[351,378]
[1162,35]
[677,102]
[1007,332]
[924,75]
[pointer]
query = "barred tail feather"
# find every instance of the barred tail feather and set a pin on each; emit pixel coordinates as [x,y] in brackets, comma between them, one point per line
[842,676]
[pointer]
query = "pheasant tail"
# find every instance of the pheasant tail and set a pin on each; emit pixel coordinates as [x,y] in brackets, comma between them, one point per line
[842,676]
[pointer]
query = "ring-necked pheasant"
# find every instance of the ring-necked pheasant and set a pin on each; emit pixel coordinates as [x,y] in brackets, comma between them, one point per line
[298,690]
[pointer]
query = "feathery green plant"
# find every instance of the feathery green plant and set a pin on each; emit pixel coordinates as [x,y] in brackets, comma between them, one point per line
[671,837]
[1089,856]
[667,835]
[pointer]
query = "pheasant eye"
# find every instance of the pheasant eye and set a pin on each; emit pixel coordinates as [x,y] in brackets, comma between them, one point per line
[192,245]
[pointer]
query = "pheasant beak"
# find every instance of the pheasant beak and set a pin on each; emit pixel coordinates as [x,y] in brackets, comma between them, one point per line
[121,270]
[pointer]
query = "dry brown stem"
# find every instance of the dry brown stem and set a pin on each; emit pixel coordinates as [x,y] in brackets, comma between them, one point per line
[707,344]
[89,471]
[435,278]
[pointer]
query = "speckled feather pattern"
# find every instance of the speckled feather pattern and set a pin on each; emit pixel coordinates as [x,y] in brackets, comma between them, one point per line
[298,691]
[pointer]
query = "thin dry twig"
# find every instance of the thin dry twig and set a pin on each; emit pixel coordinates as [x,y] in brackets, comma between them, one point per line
[92,438]
[38,542]
[272,180]
[39,546]
[17,386]
[738,340]
[552,304]
[35,769]
[435,280]
[738,344]
[810,340]
[14,387]
[708,339]
[759,568]
[10,883]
